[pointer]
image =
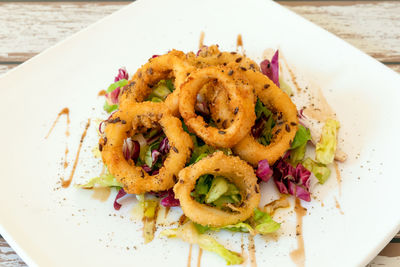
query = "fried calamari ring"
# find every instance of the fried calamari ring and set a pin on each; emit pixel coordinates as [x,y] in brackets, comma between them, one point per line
[212,56]
[241,98]
[233,169]
[126,123]
[286,122]
[169,66]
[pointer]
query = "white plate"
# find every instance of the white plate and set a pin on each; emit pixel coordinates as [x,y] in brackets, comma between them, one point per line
[66,227]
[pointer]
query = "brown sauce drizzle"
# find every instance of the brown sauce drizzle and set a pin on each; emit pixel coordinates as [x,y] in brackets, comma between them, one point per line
[190,256]
[239,42]
[66,183]
[64,111]
[166,212]
[102,93]
[292,75]
[199,257]
[298,255]
[101,193]
[65,157]
[338,206]
[252,251]
[338,177]
[201,40]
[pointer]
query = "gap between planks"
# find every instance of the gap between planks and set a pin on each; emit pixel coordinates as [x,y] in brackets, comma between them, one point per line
[29,28]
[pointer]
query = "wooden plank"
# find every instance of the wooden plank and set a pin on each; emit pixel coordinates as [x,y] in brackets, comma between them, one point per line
[372,27]
[29,28]
[8,258]
[6,67]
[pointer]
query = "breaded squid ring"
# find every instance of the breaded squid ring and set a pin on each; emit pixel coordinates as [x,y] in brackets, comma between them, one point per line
[285,129]
[241,98]
[232,168]
[212,56]
[169,66]
[125,123]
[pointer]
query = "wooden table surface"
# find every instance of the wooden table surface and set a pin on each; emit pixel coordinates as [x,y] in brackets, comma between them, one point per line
[27,28]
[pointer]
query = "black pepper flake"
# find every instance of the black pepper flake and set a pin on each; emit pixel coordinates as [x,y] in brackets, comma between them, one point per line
[266,86]
[243,68]
[175,149]
[105,141]
[238,59]
[216,170]
[221,132]
[233,53]
[256,189]
[123,121]
[287,128]
[150,71]
[230,72]
[293,123]
[236,110]
[100,147]
[277,131]
[219,120]
[224,64]
[251,66]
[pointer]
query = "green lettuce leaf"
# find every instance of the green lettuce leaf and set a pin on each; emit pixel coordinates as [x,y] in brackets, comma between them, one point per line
[219,186]
[121,83]
[113,86]
[318,169]
[326,147]
[297,154]
[188,233]
[261,109]
[301,137]
[261,223]
[105,180]
[285,87]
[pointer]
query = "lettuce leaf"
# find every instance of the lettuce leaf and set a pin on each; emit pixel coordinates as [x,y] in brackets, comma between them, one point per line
[105,180]
[264,224]
[326,147]
[261,223]
[301,137]
[188,233]
[318,169]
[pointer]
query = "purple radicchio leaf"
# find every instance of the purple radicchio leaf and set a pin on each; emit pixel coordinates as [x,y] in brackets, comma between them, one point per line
[271,68]
[292,180]
[170,200]
[155,154]
[120,194]
[122,74]
[164,146]
[146,168]
[112,97]
[264,172]
[131,149]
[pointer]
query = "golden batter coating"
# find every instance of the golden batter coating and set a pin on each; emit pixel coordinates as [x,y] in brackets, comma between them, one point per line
[235,171]
[126,123]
